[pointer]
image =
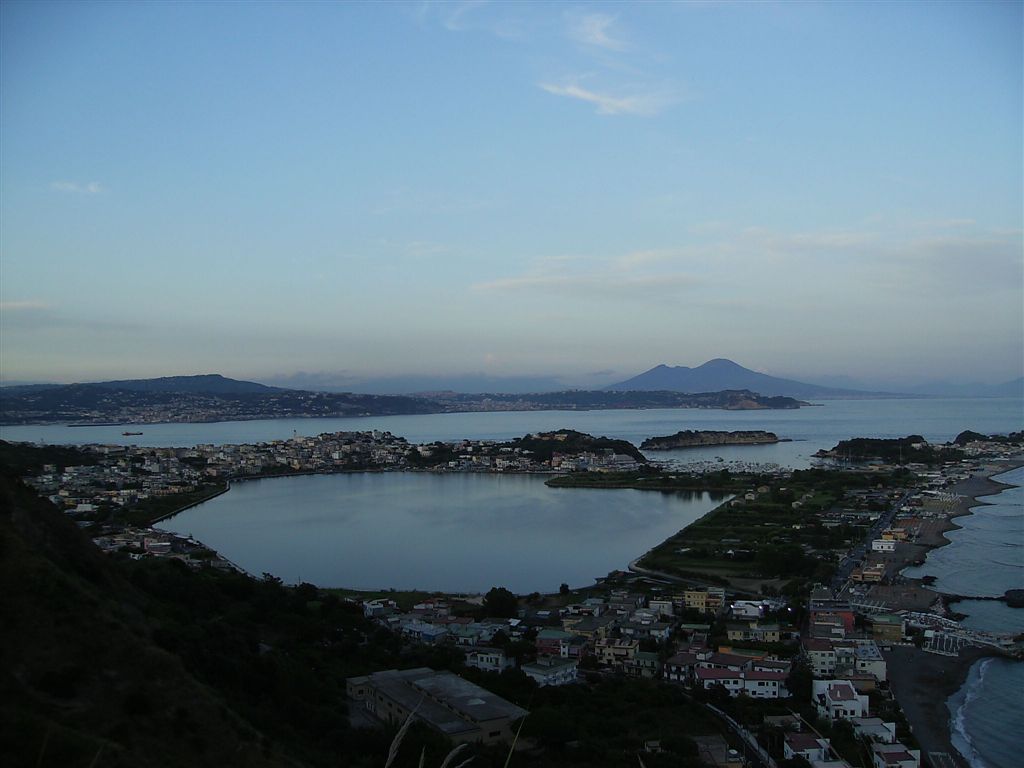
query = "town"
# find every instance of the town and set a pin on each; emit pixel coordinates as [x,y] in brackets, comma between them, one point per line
[791,661]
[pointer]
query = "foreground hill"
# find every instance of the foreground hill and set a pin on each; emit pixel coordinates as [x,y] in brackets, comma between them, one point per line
[723,374]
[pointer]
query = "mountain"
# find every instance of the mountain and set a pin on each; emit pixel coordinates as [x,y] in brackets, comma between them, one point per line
[720,374]
[210,383]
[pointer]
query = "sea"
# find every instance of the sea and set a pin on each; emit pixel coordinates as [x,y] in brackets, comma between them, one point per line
[470,532]
[984,558]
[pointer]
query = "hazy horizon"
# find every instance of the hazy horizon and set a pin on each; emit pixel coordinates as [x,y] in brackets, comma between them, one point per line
[577,191]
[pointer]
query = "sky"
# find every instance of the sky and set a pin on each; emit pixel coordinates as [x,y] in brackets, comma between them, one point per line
[582,189]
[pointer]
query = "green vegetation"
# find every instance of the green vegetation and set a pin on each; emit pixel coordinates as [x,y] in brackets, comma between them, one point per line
[543,445]
[902,450]
[20,459]
[775,534]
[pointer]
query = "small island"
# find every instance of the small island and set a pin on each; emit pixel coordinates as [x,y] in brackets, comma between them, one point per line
[688,438]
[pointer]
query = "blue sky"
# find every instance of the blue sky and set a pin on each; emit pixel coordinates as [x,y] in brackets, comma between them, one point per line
[371,189]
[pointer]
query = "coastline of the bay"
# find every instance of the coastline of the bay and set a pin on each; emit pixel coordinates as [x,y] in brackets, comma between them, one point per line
[923,683]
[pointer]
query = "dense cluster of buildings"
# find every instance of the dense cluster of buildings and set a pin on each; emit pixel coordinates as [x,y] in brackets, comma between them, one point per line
[126,475]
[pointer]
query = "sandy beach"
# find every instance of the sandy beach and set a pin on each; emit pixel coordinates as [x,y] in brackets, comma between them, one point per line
[921,683]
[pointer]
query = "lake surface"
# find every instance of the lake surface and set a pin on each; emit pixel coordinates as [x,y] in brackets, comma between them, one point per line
[811,428]
[448,532]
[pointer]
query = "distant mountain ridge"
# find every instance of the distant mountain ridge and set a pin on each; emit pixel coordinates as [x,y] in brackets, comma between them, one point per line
[721,374]
[212,383]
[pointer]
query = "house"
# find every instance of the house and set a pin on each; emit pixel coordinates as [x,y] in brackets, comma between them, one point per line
[874,729]
[822,604]
[806,745]
[747,609]
[760,685]
[548,670]
[489,659]
[615,651]
[838,700]
[422,632]
[646,664]
[753,631]
[887,628]
[859,657]
[456,708]
[679,667]
[590,627]
[895,755]
[549,641]
[883,545]
[665,607]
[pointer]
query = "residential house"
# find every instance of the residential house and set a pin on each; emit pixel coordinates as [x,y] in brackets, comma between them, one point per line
[895,755]
[874,729]
[806,745]
[753,631]
[616,651]
[838,700]
[489,659]
[548,670]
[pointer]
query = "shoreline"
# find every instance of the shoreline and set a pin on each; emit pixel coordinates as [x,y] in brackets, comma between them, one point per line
[971,492]
[923,682]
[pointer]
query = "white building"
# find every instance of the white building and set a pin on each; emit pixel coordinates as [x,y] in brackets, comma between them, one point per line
[883,545]
[838,700]
[759,685]
[895,756]
[489,659]
[549,670]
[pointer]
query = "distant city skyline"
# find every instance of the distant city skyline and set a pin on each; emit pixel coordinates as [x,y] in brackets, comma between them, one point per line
[564,190]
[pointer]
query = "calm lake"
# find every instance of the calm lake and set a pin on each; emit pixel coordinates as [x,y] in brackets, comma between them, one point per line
[451,532]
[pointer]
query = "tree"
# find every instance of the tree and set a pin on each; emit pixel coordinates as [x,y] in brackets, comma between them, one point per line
[501,603]
[563,589]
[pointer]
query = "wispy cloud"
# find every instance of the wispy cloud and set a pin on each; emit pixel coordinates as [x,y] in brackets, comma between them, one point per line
[595,286]
[23,306]
[645,104]
[75,187]
[594,29]
[455,20]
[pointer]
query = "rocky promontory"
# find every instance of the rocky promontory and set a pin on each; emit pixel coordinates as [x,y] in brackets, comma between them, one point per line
[688,438]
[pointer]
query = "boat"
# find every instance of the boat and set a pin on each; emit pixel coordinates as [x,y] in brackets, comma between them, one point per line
[129,434]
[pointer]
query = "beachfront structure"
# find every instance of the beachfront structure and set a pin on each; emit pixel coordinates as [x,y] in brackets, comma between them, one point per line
[887,628]
[895,756]
[549,670]
[454,707]
[838,700]
[883,545]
